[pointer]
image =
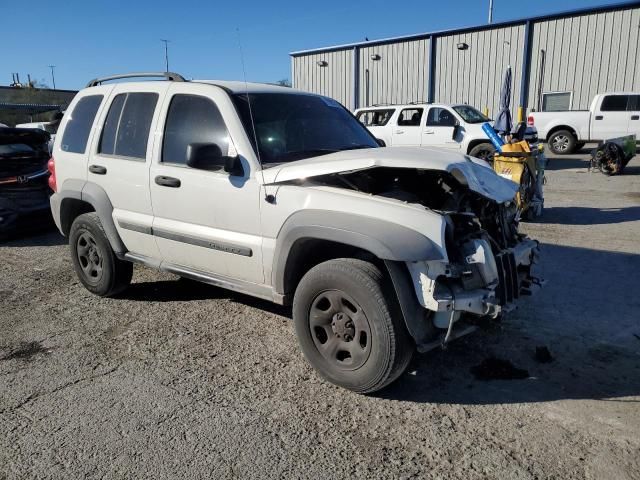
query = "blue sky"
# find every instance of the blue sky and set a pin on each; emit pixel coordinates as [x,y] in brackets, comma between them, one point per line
[85,39]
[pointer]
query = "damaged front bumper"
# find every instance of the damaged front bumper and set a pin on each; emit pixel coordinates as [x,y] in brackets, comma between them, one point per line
[440,288]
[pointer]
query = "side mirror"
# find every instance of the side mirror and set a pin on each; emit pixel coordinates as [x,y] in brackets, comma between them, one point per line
[208,156]
[381,142]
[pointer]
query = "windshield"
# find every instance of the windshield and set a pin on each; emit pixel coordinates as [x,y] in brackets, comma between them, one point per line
[470,114]
[292,126]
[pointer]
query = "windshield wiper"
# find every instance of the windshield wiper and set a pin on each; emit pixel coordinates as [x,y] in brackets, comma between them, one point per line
[300,154]
[355,147]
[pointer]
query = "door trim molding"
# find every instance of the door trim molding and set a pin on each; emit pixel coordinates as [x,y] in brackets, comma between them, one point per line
[191,240]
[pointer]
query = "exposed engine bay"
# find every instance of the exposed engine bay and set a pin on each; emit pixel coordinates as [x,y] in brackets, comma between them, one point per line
[489,262]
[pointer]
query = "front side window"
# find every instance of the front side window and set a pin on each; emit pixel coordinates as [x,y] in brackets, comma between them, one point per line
[615,103]
[375,118]
[192,119]
[291,127]
[440,117]
[76,132]
[126,128]
[470,114]
[410,117]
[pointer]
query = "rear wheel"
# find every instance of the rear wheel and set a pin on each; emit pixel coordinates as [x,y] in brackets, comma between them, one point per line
[562,142]
[484,151]
[95,263]
[349,325]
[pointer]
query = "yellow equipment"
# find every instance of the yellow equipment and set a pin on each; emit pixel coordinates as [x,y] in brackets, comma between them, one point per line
[518,163]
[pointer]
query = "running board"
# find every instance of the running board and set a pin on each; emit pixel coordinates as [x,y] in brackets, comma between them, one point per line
[248,288]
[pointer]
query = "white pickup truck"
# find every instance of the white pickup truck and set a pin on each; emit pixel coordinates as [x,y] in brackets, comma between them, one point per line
[610,115]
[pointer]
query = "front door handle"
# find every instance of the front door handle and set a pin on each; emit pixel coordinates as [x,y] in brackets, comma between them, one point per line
[599,117]
[98,169]
[635,117]
[399,132]
[168,181]
[429,132]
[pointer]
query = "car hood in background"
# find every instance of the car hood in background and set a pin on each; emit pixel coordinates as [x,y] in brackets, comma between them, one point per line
[473,172]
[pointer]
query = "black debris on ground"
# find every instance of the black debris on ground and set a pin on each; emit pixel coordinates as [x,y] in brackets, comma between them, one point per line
[493,368]
[543,355]
[25,351]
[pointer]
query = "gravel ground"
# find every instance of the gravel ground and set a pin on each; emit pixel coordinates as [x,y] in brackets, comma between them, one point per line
[181,380]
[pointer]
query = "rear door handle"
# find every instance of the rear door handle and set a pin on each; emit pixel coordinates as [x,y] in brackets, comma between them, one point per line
[399,132]
[599,117]
[429,132]
[635,117]
[168,181]
[98,169]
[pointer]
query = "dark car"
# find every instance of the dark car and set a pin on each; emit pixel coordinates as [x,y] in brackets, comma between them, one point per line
[24,189]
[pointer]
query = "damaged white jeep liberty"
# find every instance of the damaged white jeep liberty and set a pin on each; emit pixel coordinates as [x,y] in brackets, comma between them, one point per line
[285,196]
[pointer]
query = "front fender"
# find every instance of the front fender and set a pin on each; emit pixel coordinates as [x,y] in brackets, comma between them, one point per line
[384,239]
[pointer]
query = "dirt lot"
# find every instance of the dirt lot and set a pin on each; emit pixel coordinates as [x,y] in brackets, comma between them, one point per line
[181,380]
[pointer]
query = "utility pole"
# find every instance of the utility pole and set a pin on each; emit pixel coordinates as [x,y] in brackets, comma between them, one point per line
[166,54]
[53,77]
[490,11]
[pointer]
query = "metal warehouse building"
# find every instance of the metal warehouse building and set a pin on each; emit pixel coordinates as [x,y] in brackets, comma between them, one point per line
[559,62]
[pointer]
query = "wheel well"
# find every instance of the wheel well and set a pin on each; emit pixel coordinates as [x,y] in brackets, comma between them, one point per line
[306,253]
[561,127]
[475,143]
[70,209]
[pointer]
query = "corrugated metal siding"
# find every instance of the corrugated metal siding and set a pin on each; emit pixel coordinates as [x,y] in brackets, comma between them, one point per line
[334,80]
[400,76]
[586,55]
[474,76]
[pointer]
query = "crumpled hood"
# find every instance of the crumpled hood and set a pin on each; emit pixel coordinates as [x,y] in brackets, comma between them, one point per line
[475,173]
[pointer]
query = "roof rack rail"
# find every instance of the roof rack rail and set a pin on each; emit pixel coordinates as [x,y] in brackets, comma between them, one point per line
[173,77]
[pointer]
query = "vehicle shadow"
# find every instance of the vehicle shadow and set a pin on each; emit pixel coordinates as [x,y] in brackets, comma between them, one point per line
[586,316]
[565,163]
[184,290]
[589,216]
[45,235]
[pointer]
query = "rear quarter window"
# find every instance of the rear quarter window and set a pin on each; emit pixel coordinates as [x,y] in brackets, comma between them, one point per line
[76,132]
[375,118]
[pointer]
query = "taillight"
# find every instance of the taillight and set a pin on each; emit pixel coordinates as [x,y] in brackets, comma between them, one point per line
[530,121]
[51,167]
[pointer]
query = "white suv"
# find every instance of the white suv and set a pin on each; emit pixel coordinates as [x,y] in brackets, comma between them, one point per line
[455,127]
[284,195]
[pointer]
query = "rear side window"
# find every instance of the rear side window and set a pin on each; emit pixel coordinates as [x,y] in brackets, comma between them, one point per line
[76,133]
[614,103]
[375,118]
[126,129]
[192,119]
[410,117]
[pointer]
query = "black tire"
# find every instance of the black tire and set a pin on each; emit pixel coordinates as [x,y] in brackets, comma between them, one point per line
[95,263]
[562,142]
[485,151]
[580,146]
[372,352]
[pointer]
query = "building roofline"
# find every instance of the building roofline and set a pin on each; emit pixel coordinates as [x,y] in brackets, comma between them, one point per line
[488,26]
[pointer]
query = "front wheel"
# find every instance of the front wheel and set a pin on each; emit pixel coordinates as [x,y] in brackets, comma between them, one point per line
[349,325]
[562,142]
[484,151]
